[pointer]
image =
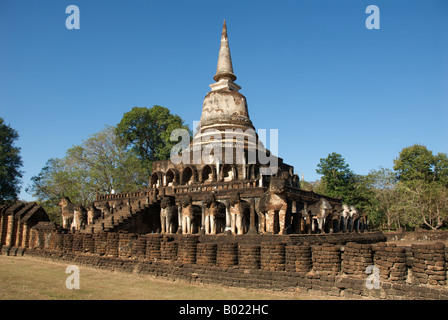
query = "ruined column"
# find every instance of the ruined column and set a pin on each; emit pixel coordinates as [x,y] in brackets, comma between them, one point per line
[139,247]
[272,256]
[9,232]
[228,218]
[356,258]
[179,218]
[227,255]
[153,247]
[249,256]
[206,254]
[18,240]
[429,264]
[252,227]
[202,229]
[309,223]
[326,259]
[187,249]
[25,235]
[168,249]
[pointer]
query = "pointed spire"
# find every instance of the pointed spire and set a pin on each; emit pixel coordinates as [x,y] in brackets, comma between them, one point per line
[224,68]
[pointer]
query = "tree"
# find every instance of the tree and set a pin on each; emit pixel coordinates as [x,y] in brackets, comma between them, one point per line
[337,180]
[441,168]
[385,196]
[423,183]
[425,204]
[98,165]
[147,132]
[418,163]
[10,163]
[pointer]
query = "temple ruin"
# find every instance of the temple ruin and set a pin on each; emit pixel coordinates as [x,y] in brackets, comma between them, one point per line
[226,181]
[225,210]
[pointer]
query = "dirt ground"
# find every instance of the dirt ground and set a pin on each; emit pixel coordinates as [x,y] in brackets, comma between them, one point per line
[26,278]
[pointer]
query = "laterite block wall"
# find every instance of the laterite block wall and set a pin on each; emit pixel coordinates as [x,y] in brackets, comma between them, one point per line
[303,267]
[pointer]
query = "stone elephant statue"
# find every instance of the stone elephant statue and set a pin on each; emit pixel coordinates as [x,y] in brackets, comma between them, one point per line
[168,214]
[74,217]
[345,216]
[79,217]
[320,210]
[67,210]
[93,213]
[354,219]
[239,214]
[214,214]
[190,215]
[273,207]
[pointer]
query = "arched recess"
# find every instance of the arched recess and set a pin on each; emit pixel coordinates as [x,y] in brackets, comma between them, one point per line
[155,181]
[253,172]
[221,217]
[229,172]
[172,177]
[208,174]
[188,176]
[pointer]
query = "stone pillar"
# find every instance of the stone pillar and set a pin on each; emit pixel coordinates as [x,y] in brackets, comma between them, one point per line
[25,235]
[179,218]
[10,229]
[153,247]
[303,261]
[202,229]
[252,227]
[227,255]
[168,249]
[326,259]
[249,256]
[309,223]
[429,264]
[206,254]
[272,256]
[139,247]
[356,258]
[187,249]
[18,239]
[228,218]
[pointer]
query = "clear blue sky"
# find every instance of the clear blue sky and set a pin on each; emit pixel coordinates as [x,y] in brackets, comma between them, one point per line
[310,69]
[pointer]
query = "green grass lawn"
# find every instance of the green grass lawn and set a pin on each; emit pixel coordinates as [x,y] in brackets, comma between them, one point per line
[23,278]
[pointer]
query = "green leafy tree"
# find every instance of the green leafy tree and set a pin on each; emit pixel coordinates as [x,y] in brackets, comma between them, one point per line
[98,165]
[10,163]
[337,178]
[147,132]
[423,181]
[339,181]
[441,169]
[418,163]
[385,197]
[425,204]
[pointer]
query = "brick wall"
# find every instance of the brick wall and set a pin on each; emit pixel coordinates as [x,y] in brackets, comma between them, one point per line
[307,268]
